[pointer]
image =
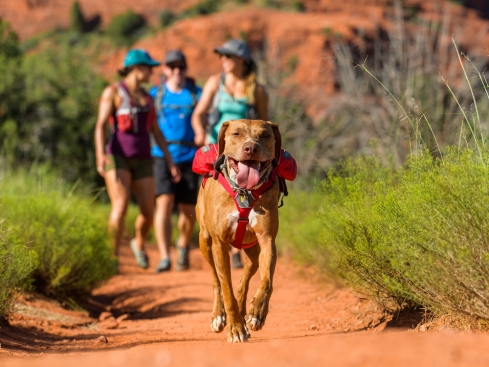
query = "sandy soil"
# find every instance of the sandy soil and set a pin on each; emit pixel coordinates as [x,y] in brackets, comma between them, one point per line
[163,320]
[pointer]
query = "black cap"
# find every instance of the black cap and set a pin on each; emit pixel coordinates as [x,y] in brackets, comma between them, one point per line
[174,56]
[236,47]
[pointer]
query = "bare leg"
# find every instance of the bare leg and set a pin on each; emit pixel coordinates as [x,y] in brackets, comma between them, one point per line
[144,190]
[186,222]
[118,182]
[251,256]
[162,223]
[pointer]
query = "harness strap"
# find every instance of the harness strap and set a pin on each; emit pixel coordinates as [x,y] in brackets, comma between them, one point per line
[243,219]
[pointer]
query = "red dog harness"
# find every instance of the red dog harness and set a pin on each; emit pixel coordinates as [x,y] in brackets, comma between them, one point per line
[245,201]
[209,166]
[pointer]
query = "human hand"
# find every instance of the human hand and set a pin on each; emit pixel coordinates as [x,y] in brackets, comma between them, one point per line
[175,172]
[199,140]
[102,160]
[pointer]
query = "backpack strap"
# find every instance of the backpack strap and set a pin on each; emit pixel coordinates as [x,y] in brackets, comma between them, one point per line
[193,90]
[215,115]
[220,88]
[160,93]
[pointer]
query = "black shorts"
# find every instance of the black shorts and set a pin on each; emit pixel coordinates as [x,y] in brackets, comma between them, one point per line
[185,190]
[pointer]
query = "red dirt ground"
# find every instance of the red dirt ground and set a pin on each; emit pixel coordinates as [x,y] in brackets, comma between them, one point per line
[163,320]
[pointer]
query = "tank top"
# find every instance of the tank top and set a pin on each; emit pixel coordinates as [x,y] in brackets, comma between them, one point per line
[231,109]
[131,141]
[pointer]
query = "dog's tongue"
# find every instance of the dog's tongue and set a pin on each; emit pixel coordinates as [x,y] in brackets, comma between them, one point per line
[249,174]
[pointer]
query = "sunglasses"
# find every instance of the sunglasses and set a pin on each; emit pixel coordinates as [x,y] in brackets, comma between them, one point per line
[227,56]
[177,66]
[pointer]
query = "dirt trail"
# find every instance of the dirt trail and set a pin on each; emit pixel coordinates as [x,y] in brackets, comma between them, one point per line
[163,320]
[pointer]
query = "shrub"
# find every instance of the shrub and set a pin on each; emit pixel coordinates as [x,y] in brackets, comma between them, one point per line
[67,234]
[167,18]
[416,235]
[203,7]
[123,28]
[12,86]
[411,67]
[77,18]
[60,113]
[16,265]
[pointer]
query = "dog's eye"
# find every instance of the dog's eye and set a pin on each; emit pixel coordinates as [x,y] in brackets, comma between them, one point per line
[235,133]
[266,135]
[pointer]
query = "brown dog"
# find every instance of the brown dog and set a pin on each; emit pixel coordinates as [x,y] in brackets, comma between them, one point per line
[249,147]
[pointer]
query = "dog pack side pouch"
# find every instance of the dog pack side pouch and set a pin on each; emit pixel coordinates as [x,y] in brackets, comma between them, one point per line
[287,167]
[204,159]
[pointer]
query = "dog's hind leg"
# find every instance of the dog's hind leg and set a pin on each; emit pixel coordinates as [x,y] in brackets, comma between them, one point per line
[218,317]
[237,331]
[250,258]
[267,260]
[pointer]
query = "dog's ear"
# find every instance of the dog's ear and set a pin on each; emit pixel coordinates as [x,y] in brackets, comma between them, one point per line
[222,134]
[278,140]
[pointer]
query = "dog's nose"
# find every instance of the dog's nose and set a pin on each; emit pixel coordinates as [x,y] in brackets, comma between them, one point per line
[250,148]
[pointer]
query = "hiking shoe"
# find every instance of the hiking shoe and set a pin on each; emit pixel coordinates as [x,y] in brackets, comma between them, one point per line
[164,265]
[236,261]
[140,255]
[182,260]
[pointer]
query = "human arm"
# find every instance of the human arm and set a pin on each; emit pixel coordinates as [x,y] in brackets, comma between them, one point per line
[261,102]
[199,116]
[106,108]
[161,141]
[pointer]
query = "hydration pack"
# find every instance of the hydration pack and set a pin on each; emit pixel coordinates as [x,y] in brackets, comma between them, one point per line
[125,117]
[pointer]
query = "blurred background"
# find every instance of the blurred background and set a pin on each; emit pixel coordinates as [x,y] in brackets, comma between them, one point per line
[57,55]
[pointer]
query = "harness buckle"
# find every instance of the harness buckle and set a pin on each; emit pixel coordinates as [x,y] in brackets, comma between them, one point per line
[247,220]
[244,199]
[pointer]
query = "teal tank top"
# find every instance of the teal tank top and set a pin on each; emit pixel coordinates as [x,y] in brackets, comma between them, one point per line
[230,109]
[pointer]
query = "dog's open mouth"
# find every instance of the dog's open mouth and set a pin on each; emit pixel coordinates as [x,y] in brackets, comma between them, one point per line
[248,172]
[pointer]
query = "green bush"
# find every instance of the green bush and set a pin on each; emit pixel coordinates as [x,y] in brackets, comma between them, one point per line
[64,229]
[416,235]
[12,86]
[78,22]
[123,28]
[62,105]
[167,18]
[203,7]
[48,106]
[16,265]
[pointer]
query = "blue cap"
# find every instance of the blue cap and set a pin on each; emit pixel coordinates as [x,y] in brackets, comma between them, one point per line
[138,57]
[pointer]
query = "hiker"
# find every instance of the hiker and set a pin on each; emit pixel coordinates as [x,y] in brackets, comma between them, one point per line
[175,99]
[230,95]
[126,162]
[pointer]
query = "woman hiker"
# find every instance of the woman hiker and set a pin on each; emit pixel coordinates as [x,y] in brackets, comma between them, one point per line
[126,162]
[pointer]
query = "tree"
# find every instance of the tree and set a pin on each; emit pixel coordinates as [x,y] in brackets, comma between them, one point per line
[78,22]
[12,90]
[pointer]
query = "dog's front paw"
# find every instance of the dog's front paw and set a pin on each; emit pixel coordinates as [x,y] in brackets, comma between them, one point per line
[218,323]
[255,319]
[238,333]
[254,322]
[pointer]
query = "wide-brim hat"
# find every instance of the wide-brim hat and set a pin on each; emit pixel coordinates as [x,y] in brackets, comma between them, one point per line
[235,47]
[139,57]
